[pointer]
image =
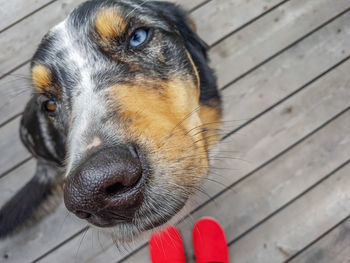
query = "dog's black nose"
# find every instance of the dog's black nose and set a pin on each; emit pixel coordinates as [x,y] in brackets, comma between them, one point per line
[107,188]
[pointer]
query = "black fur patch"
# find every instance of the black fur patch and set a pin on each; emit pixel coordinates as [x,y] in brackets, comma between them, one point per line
[196,47]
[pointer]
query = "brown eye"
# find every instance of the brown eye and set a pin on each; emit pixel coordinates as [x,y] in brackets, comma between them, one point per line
[50,105]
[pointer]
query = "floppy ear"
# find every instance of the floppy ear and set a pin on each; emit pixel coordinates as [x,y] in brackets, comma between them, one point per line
[40,135]
[41,194]
[195,46]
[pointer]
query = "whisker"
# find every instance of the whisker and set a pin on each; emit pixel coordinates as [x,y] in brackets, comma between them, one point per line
[144,2]
[81,241]
[185,118]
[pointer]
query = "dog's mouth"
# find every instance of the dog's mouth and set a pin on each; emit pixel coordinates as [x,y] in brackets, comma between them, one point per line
[150,215]
[117,187]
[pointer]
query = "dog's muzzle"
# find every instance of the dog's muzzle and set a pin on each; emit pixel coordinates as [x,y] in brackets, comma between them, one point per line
[107,188]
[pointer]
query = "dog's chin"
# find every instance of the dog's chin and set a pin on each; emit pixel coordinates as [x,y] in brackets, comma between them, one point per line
[145,222]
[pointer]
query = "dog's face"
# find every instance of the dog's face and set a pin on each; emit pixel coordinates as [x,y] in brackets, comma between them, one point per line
[117,102]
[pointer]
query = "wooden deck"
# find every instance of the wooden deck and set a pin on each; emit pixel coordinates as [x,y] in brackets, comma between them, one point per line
[284,194]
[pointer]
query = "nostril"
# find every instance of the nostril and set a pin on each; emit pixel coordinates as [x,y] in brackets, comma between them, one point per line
[114,189]
[110,178]
[82,214]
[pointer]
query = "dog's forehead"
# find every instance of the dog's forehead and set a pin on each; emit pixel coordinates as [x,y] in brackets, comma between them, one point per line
[83,18]
[70,49]
[86,19]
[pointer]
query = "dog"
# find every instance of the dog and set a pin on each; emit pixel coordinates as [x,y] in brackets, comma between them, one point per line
[124,111]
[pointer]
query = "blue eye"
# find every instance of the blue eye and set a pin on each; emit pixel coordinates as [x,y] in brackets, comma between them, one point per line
[139,36]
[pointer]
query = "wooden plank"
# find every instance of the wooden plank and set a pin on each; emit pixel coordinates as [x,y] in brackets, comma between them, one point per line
[299,224]
[218,18]
[263,139]
[334,247]
[188,5]
[18,44]
[11,147]
[280,181]
[289,71]
[297,66]
[14,10]
[15,91]
[259,41]
[9,185]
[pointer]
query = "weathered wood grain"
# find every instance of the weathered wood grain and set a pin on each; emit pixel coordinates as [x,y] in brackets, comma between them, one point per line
[257,143]
[334,247]
[218,18]
[260,40]
[14,10]
[12,150]
[293,228]
[18,44]
[300,64]
[15,91]
[9,185]
[289,71]
[188,5]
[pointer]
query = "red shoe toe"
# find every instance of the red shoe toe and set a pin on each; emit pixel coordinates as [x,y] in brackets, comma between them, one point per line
[166,246]
[209,242]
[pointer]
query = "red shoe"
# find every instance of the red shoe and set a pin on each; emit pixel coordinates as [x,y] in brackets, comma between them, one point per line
[209,241]
[166,246]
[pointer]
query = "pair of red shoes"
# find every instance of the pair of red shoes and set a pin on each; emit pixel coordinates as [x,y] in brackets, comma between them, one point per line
[209,244]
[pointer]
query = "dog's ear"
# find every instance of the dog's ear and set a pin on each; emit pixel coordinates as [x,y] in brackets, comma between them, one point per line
[197,48]
[40,135]
[41,194]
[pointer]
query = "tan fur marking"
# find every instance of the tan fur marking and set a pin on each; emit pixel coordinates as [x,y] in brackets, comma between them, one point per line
[41,76]
[109,24]
[168,116]
[194,69]
[192,24]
